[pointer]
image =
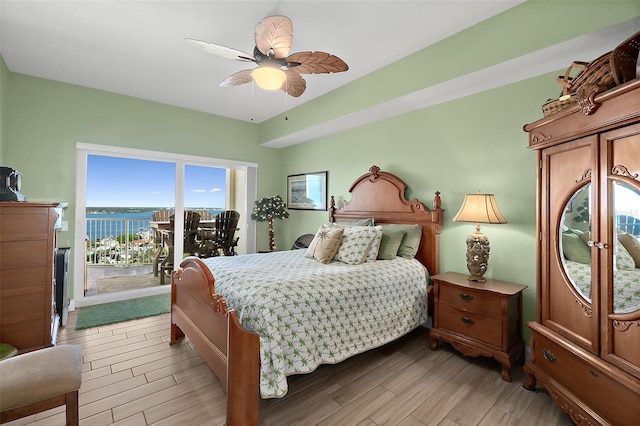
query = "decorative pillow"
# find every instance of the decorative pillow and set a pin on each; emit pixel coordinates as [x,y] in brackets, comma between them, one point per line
[586,237]
[355,244]
[390,244]
[575,249]
[411,241]
[623,258]
[325,244]
[632,245]
[375,245]
[578,232]
[359,222]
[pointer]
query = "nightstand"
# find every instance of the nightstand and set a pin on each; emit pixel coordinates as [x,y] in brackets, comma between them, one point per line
[479,319]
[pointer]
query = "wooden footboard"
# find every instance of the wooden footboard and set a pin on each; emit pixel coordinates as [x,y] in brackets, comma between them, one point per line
[232,351]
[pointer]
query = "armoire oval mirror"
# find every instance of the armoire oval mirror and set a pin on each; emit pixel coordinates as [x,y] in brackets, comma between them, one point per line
[626,275]
[575,227]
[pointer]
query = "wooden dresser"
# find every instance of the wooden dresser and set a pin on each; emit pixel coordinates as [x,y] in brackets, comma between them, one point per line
[27,248]
[479,319]
[585,342]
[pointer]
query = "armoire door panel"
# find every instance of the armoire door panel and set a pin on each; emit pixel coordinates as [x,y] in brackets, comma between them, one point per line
[621,313]
[570,292]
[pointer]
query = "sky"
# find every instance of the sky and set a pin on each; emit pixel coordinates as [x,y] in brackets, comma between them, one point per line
[126,182]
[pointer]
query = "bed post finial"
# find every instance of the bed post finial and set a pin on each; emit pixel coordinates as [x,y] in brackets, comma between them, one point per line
[332,210]
[437,201]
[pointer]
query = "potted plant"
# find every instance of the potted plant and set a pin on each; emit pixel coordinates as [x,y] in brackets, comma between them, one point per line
[267,209]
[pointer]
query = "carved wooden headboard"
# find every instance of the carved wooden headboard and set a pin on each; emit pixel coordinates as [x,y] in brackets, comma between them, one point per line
[381,195]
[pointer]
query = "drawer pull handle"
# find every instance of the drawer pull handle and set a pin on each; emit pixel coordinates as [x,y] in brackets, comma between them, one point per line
[466,297]
[548,355]
[467,321]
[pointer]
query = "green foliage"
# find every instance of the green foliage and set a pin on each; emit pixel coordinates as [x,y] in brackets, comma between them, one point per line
[266,208]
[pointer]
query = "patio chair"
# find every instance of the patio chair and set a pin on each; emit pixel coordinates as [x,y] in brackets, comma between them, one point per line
[158,243]
[204,214]
[221,239]
[190,246]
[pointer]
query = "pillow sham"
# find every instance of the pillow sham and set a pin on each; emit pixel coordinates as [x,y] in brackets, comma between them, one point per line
[375,244]
[586,237]
[356,243]
[575,249]
[411,241]
[389,244]
[623,258]
[325,243]
[358,222]
[632,245]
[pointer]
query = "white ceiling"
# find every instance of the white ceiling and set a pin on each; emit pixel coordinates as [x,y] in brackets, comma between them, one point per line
[137,48]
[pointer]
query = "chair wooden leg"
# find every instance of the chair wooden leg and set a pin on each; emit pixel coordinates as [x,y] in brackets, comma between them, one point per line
[71,399]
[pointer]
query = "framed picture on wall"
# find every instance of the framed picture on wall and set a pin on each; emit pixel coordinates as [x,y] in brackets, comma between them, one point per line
[307,191]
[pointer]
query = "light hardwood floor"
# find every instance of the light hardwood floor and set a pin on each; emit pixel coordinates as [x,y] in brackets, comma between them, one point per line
[133,377]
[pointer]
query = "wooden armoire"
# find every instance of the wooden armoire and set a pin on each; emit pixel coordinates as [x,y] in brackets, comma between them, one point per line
[585,343]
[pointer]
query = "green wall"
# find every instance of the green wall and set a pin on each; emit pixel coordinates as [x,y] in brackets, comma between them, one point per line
[4,75]
[458,147]
[46,119]
[454,149]
[523,29]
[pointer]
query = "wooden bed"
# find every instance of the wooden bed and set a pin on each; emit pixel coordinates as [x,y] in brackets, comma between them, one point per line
[232,351]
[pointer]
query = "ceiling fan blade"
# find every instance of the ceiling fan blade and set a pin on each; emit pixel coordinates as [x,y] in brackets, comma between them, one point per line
[275,34]
[235,79]
[219,50]
[295,85]
[315,63]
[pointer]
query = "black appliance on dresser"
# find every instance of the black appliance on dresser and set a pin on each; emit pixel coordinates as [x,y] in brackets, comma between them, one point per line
[62,284]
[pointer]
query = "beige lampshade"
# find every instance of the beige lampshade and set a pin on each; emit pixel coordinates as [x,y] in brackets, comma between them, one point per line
[480,208]
[269,78]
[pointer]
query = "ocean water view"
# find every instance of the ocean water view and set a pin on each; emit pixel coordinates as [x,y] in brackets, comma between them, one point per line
[112,222]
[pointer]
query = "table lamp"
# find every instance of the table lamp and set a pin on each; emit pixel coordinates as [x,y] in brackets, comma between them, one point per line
[478,208]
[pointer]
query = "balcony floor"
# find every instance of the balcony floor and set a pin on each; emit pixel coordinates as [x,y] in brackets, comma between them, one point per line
[96,272]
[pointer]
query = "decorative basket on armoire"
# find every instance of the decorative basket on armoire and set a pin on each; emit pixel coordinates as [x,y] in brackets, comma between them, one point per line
[583,79]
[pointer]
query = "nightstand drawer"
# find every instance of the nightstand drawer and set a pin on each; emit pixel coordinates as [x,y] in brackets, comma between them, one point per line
[480,327]
[470,300]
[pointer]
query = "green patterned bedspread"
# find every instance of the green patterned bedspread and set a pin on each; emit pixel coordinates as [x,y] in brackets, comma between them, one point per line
[308,313]
[626,293]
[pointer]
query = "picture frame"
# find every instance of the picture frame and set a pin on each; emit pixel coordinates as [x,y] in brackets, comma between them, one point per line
[307,191]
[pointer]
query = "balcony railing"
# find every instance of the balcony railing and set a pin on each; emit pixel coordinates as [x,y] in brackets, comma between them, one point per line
[119,242]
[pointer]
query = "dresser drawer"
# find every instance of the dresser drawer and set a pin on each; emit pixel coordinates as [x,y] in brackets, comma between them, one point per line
[471,300]
[587,381]
[486,329]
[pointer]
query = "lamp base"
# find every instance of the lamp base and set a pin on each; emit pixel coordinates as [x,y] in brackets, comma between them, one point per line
[477,256]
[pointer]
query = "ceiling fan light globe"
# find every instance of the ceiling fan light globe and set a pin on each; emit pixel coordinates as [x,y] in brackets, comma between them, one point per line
[269,78]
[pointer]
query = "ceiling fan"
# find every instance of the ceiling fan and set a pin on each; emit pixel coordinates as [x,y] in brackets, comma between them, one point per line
[276,68]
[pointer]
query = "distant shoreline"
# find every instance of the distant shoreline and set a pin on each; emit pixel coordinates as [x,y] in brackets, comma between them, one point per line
[111,222]
[121,210]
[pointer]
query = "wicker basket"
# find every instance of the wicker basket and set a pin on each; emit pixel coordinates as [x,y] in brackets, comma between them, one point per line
[554,105]
[624,60]
[573,72]
[578,75]
[598,72]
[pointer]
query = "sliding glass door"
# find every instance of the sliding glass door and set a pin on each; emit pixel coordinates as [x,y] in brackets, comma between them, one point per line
[121,191]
